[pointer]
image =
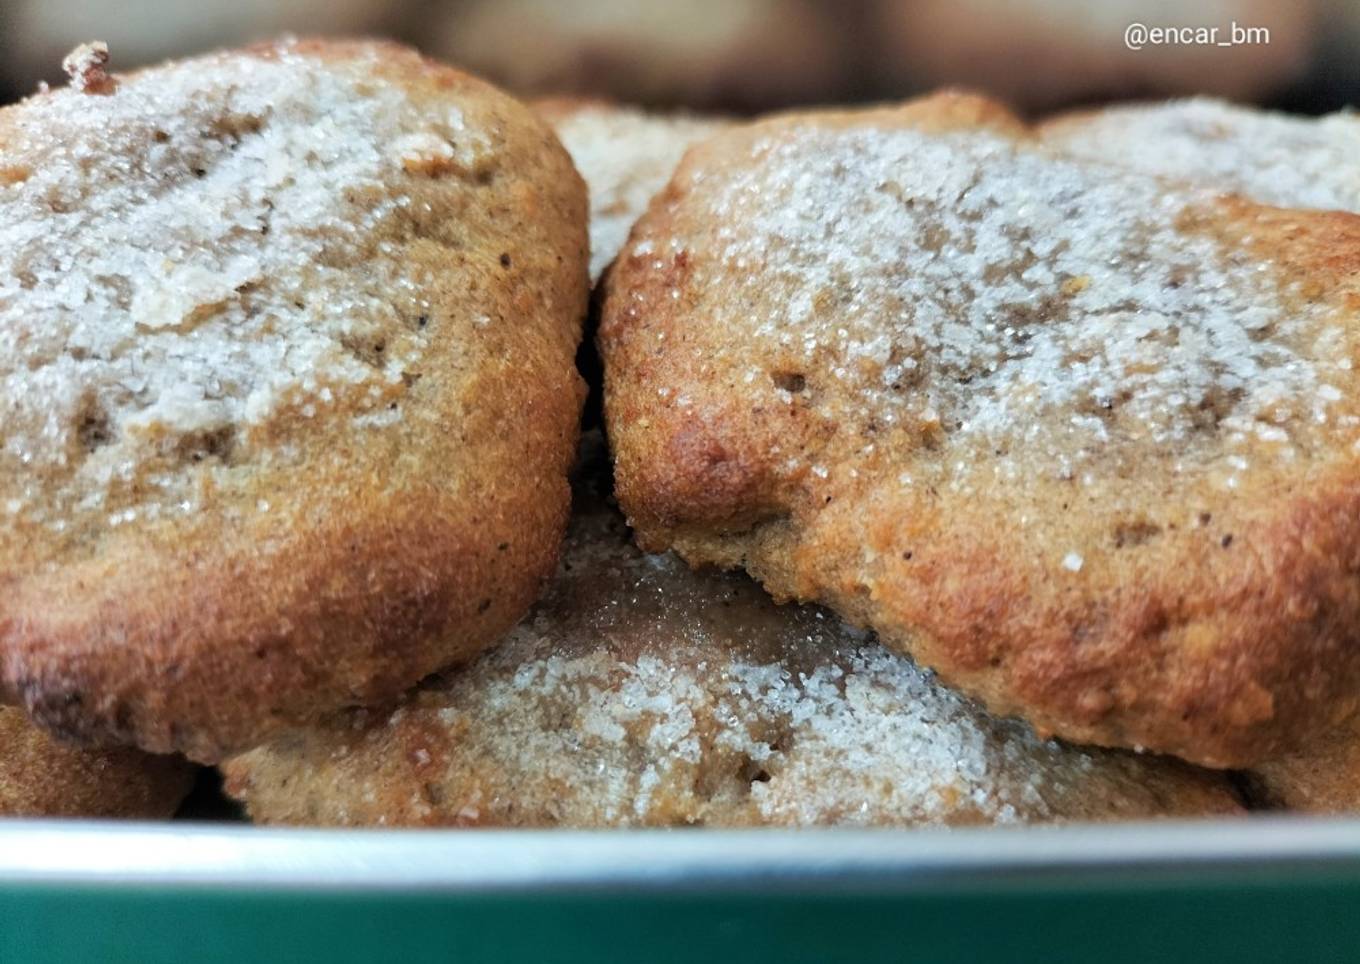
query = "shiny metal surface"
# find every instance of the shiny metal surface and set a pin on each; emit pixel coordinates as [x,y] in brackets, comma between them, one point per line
[64,853]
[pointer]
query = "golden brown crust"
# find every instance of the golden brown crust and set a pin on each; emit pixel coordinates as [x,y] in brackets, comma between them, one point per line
[349,562]
[1298,162]
[1209,613]
[1323,777]
[638,692]
[41,777]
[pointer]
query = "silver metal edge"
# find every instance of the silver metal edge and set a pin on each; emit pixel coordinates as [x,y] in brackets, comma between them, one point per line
[109,854]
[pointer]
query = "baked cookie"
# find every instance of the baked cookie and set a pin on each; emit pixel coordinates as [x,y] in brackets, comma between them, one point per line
[1295,162]
[1274,159]
[289,402]
[41,777]
[1323,777]
[625,156]
[640,693]
[1083,440]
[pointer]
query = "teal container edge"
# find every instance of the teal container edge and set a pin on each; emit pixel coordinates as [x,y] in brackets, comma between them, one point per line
[1271,915]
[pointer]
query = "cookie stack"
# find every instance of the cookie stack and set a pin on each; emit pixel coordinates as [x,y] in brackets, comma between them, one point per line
[1038,452]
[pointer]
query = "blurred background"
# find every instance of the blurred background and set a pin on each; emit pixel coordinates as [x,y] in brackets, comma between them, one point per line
[749,55]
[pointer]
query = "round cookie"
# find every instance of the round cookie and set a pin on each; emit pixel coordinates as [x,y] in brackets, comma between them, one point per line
[41,777]
[1083,440]
[625,156]
[290,401]
[641,693]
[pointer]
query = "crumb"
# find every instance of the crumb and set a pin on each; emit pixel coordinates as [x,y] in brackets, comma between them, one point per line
[86,66]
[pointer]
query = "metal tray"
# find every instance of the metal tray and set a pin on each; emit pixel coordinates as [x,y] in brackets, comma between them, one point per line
[1257,889]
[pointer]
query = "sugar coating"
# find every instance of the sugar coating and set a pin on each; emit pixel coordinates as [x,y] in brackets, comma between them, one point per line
[639,692]
[625,156]
[195,260]
[966,287]
[1272,158]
